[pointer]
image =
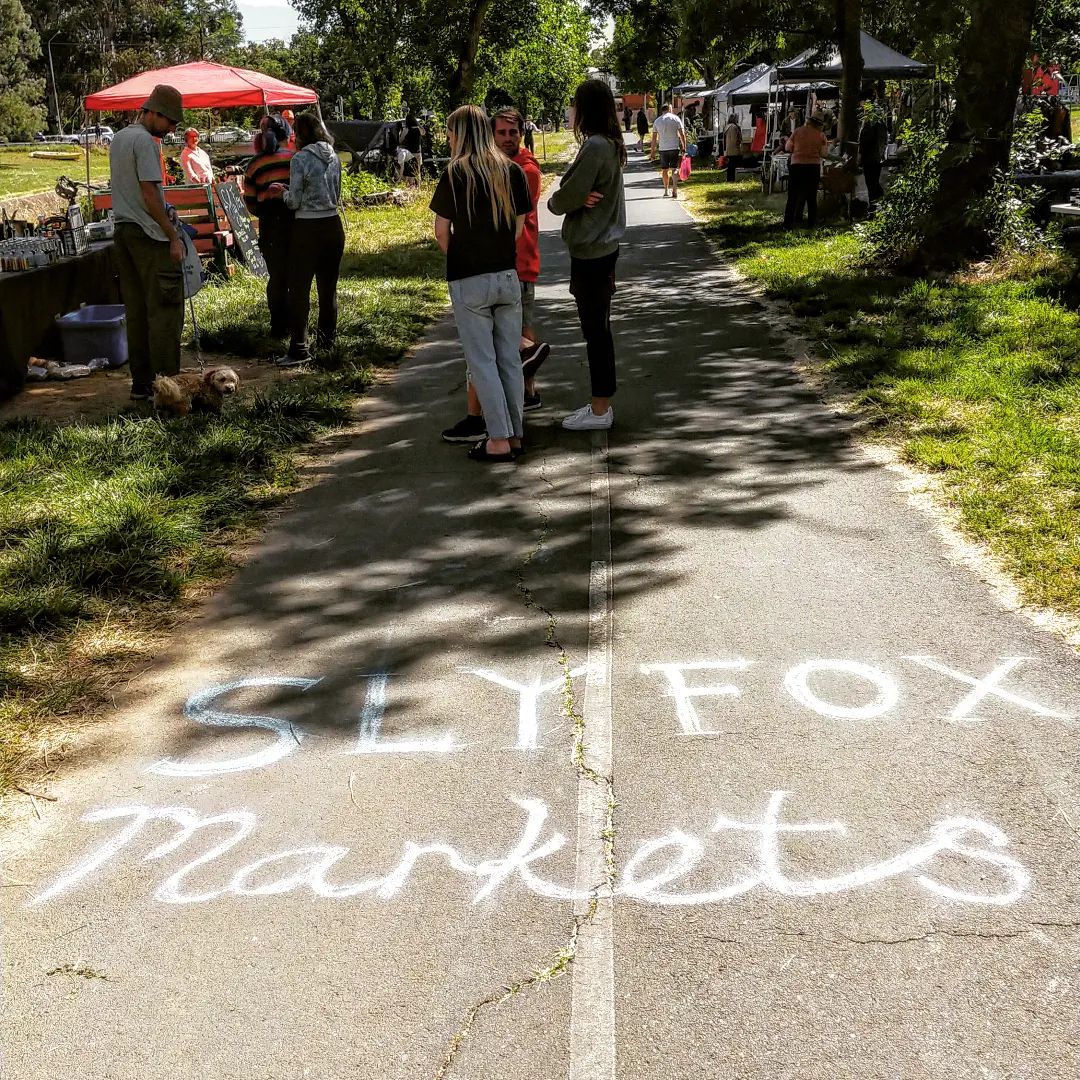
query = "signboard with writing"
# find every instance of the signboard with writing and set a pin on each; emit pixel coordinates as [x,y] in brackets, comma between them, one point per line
[232,202]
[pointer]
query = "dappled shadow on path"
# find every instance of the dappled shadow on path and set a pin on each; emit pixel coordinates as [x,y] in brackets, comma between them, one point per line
[403,556]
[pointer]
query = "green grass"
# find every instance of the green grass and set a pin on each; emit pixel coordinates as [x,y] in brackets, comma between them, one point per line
[20,174]
[106,527]
[975,378]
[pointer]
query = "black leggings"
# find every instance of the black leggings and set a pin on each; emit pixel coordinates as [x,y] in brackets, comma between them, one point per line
[275,236]
[592,283]
[315,253]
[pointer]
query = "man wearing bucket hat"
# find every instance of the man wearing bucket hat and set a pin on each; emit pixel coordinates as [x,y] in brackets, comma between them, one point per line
[147,247]
[807,146]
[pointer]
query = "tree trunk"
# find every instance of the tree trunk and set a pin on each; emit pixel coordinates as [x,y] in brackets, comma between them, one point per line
[990,63]
[463,79]
[849,22]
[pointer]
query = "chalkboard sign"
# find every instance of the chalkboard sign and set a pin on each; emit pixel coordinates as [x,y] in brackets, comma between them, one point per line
[232,202]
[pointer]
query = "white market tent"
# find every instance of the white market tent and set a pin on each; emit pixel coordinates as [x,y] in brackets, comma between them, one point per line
[725,90]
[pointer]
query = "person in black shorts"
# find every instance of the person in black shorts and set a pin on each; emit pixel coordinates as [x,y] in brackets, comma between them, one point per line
[670,135]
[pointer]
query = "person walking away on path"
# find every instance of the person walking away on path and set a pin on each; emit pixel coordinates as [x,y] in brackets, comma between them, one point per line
[591,197]
[147,248]
[873,137]
[642,129]
[529,136]
[732,145]
[506,127]
[807,146]
[268,168]
[409,149]
[195,161]
[669,133]
[317,241]
[480,205]
[627,117]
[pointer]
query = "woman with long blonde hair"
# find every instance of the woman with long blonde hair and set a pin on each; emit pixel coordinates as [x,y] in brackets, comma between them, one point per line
[480,205]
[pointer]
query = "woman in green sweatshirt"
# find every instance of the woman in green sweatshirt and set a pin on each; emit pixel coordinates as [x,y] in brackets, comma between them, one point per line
[591,197]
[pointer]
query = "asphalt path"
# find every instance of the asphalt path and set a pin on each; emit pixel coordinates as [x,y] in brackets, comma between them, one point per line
[679,751]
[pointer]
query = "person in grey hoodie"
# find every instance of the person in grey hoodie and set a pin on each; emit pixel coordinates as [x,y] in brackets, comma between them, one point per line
[591,197]
[318,237]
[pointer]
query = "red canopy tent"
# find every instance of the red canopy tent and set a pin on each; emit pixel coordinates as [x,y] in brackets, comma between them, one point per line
[202,85]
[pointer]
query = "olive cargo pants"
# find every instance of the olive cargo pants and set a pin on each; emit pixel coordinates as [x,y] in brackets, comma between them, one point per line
[152,288]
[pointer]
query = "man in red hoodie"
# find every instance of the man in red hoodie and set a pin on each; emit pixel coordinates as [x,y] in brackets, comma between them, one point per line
[507,126]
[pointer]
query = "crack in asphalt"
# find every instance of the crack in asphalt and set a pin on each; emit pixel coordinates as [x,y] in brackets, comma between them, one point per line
[562,960]
[1035,927]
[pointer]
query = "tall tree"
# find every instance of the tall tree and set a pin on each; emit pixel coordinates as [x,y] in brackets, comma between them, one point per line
[849,33]
[21,96]
[540,71]
[990,61]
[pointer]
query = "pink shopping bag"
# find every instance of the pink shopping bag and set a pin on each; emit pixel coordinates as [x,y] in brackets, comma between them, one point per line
[684,168]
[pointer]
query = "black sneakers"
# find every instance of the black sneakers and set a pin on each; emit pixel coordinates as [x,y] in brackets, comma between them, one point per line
[533,356]
[469,430]
[141,392]
[532,401]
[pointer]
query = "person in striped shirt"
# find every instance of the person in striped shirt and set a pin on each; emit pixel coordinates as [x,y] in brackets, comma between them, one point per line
[271,166]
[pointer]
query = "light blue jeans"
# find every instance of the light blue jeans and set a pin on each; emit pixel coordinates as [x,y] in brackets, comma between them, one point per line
[487,310]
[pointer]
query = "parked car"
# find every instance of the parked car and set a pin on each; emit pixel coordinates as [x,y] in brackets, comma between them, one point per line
[229,136]
[93,135]
[41,137]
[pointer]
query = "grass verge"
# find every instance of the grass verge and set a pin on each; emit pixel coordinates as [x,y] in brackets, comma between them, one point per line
[974,378]
[108,528]
[21,174]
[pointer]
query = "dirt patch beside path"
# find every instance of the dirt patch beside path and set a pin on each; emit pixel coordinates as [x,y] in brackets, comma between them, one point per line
[105,393]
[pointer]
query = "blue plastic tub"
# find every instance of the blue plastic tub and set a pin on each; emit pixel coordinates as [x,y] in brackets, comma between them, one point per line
[94,330]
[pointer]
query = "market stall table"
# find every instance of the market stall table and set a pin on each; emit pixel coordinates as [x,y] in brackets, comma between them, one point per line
[30,300]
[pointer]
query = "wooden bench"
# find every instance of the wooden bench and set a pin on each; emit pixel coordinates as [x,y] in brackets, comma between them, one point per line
[195,206]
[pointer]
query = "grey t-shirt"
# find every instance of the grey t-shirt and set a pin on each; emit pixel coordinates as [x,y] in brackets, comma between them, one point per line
[134,156]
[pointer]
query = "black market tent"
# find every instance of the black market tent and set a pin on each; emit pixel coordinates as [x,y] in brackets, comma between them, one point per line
[879,62]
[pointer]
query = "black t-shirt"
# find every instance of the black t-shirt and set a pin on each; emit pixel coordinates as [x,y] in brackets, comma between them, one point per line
[476,245]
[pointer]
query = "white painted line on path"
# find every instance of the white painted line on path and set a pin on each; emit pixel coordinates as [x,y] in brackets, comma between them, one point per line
[592,1011]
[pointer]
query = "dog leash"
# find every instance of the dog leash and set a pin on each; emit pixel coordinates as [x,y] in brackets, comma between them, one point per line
[195,333]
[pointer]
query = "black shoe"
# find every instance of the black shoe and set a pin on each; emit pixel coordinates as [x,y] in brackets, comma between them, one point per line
[480,453]
[532,357]
[466,431]
[141,392]
[288,360]
[532,401]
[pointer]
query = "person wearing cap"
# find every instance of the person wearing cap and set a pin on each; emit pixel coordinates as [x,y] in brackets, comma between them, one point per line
[147,247]
[195,161]
[807,146]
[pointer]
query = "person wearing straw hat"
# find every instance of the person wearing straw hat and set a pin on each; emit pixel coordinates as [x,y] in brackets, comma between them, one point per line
[807,146]
[147,247]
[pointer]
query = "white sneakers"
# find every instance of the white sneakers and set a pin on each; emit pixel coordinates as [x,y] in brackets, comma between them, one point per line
[586,420]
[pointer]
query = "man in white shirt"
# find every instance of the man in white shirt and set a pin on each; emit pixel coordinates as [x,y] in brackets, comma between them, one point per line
[195,161]
[669,132]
